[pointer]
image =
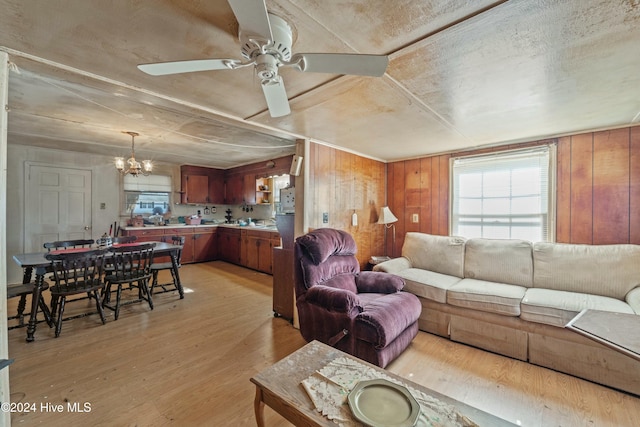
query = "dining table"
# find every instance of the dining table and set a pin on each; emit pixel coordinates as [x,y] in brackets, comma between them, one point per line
[36,262]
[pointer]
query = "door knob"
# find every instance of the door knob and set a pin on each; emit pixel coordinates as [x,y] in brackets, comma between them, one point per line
[86,227]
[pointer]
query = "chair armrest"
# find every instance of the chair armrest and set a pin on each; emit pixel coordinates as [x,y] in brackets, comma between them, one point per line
[633,299]
[378,282]
[394,265]
[333,299]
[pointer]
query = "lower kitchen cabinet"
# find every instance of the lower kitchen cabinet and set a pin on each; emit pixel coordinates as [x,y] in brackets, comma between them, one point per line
[257,249]
[199,244]
[229,245]
[205,244]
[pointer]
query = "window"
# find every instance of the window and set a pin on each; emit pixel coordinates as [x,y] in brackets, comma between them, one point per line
[147,195]
[505,195]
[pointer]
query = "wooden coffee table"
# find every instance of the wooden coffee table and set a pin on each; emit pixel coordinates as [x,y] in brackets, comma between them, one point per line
[279,387]
[618,331]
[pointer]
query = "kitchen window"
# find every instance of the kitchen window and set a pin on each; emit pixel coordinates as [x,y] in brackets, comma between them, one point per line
[147,195]
[506,195]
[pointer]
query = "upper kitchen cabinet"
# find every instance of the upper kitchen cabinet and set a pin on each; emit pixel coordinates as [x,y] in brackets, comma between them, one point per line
[243,183]
[201,185]
[234,190]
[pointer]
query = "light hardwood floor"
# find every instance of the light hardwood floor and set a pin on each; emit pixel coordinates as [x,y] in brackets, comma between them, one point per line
[188,363]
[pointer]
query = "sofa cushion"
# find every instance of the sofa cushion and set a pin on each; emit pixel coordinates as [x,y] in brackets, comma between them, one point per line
[633,299]
[606,270]
[481,295]
[441,254]
[427,284]
[557,308]
[499,260]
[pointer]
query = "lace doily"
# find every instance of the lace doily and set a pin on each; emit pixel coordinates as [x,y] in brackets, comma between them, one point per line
[328,389]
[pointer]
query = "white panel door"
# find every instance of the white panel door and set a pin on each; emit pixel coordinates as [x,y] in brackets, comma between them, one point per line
[58,205]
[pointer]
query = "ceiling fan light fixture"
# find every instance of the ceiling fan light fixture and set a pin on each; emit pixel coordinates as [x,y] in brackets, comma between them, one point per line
[266,42]
[133,166]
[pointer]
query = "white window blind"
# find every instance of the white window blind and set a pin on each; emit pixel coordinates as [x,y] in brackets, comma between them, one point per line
[151,183]
[504,195]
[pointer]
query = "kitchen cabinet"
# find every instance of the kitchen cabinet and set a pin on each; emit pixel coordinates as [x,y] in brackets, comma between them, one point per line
[205,244]
[146,235]
[200,243]
[256,251]
[201,185]
[249,189]
[187,250]
[229,244]
[234,190]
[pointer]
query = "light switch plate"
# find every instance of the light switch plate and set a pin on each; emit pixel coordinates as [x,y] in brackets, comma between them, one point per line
[414,218]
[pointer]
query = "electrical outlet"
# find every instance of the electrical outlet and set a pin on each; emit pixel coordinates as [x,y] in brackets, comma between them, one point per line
[414,218]
[325,217]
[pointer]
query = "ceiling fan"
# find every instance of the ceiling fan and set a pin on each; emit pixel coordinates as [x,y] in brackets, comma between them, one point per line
[266,41]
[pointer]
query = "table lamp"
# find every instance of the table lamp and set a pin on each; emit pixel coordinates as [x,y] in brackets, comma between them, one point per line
[387,218]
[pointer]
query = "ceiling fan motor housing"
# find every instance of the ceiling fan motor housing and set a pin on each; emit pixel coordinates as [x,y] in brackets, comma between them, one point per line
[280,46]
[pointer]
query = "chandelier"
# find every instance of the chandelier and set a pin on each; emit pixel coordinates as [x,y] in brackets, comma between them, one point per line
[134,167]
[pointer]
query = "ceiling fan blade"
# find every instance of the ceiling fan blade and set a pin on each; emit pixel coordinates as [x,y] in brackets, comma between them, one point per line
[341,63]
[252,17]
[177,67]
[276,97]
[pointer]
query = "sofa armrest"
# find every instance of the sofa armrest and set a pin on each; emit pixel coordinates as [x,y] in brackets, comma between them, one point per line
[394,265]
[633,299]
[378,282]
[333,299]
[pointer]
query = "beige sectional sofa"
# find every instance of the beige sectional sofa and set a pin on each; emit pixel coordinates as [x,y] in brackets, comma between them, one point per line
[514,298]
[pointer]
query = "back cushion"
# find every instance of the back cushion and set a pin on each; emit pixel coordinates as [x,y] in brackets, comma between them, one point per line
[499,260]
[441,254]
[606,270]
[337,272]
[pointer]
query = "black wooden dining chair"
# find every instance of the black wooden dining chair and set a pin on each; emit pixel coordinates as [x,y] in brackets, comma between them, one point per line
[75,273]
[132,266]
[68,244]
[108,268]
[157,267]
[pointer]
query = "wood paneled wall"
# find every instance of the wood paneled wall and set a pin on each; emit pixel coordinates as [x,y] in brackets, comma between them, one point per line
[340,184]
[598,189]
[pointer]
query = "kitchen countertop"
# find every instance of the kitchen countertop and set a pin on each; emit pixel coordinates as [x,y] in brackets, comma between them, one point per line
[152,227]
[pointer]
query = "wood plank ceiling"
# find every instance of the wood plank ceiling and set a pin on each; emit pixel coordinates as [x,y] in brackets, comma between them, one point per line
[462,74]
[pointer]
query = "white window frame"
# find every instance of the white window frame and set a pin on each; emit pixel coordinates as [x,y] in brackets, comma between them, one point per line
[483,163]
[145,185]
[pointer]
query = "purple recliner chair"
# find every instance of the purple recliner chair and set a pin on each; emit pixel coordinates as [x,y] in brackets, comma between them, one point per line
[364,313]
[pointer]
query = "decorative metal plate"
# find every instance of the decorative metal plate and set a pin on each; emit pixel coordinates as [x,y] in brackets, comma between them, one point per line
[381,403]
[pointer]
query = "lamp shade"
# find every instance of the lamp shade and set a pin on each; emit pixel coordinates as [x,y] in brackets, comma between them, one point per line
[386,216]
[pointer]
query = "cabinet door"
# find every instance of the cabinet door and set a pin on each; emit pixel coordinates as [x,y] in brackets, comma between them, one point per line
[249,189]
[229,242]
[233,190]
[265,256]
[203,244]
[252,256]
[187,250]
[197,189]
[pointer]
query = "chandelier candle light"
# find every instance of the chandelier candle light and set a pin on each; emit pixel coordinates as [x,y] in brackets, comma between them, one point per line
[387,218]
[135,168]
